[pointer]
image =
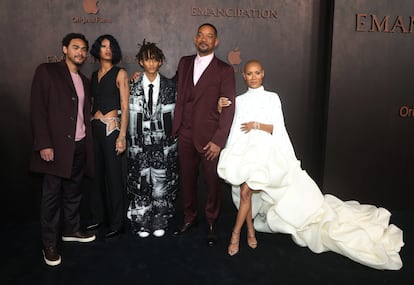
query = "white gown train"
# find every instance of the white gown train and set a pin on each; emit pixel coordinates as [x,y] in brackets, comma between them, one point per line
[287,200]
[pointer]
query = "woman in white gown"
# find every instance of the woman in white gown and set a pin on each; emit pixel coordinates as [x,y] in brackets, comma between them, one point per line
[270,188]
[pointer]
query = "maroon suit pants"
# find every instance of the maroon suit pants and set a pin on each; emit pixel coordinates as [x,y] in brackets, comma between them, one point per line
[190,159]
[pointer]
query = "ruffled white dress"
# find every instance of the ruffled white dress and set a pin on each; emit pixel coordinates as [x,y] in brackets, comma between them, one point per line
[287,200]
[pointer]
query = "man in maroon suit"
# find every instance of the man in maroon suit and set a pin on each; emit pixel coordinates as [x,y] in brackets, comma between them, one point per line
[202,131]
[62,143]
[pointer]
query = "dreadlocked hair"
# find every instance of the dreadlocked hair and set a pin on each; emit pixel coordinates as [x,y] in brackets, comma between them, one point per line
[148,50]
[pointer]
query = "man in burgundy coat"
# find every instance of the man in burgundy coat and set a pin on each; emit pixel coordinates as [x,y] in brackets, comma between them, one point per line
[202,131]
[62,143]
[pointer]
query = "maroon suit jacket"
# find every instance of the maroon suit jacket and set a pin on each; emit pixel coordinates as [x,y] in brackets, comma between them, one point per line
[196,107]
[54,107]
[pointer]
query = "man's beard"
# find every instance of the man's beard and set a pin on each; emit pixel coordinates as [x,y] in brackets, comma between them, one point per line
[204,49]
[76,61]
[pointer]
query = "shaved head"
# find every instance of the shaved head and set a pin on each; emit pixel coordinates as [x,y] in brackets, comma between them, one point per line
[253,62]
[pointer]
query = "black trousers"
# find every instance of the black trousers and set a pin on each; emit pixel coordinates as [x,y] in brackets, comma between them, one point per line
[62,196]
[107,195]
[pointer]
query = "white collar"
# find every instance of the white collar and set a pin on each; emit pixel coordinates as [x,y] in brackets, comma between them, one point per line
[146,81]
[204,59]
[255,90]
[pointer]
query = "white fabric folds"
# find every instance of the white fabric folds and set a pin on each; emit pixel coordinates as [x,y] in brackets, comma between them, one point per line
[288,201]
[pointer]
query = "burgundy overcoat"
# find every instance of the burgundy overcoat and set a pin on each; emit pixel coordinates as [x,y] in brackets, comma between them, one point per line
[53,111]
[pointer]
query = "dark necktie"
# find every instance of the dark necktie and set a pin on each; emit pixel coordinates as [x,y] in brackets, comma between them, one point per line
[150,91]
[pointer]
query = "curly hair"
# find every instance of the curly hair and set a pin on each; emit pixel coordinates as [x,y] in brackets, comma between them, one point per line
[69,37]
[115,48]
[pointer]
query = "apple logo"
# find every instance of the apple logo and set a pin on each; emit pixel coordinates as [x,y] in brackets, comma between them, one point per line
[234,56]
[91,6]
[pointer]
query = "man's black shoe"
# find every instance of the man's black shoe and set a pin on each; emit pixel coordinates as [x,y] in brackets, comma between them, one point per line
[211,235]
[184,228]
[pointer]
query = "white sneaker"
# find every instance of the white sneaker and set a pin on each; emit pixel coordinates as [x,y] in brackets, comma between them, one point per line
[143,234]
[158,233]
